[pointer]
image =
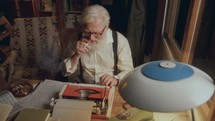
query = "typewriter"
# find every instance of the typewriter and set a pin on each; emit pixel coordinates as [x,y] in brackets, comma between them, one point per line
[101,95]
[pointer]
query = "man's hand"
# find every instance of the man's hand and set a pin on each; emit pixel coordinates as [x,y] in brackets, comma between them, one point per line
[83,46]
[108,80]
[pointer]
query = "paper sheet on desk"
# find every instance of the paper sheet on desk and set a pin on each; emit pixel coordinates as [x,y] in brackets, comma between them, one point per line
[41,97]
[6,97]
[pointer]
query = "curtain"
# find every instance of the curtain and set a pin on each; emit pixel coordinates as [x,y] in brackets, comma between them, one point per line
[136,30]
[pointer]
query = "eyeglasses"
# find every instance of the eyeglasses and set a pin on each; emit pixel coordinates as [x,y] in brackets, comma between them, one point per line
[95,34]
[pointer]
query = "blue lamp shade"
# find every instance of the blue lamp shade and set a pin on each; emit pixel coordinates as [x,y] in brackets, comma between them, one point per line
[166,86]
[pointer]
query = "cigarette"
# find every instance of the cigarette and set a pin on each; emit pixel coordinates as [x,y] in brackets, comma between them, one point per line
[86,45]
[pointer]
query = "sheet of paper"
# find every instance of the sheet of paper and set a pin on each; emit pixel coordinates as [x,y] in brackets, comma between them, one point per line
[41,97]
[6,97]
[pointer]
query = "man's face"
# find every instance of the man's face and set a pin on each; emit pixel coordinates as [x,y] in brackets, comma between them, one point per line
[94,31]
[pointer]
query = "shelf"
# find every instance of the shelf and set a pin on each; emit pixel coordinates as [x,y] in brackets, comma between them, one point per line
[73,12]
[46,11]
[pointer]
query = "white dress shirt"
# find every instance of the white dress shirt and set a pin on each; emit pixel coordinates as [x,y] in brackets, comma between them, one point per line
[100,62]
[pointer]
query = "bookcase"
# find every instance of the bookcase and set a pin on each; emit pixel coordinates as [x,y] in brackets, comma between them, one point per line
[67,12]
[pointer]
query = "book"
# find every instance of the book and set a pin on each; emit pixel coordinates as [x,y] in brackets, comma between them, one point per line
[33,114]
[5,110]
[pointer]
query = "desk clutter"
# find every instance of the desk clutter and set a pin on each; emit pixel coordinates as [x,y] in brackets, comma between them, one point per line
[21,89]
[61,101]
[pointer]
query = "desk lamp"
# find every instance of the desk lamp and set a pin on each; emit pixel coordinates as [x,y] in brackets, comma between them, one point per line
[166,86]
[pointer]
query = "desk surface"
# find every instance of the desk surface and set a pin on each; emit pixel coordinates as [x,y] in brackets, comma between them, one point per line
[116,108]
[117,104]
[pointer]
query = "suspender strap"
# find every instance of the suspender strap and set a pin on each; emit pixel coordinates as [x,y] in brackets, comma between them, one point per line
[81,70]
[80,64]
[115,45]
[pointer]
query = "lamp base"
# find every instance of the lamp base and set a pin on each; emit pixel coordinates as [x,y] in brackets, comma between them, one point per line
[193,115]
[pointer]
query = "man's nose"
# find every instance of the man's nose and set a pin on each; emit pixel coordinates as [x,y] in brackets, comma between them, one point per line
[91,37]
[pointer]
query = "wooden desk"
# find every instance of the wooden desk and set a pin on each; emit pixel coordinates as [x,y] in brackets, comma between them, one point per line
[117,104]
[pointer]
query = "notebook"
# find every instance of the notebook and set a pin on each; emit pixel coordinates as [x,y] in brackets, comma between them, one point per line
[32,114]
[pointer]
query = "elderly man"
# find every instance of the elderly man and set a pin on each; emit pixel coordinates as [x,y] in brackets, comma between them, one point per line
[94,50]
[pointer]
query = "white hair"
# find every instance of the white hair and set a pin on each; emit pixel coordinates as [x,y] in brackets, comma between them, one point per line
[92,13]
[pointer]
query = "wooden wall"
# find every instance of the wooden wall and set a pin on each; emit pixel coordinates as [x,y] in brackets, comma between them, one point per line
[206,38]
